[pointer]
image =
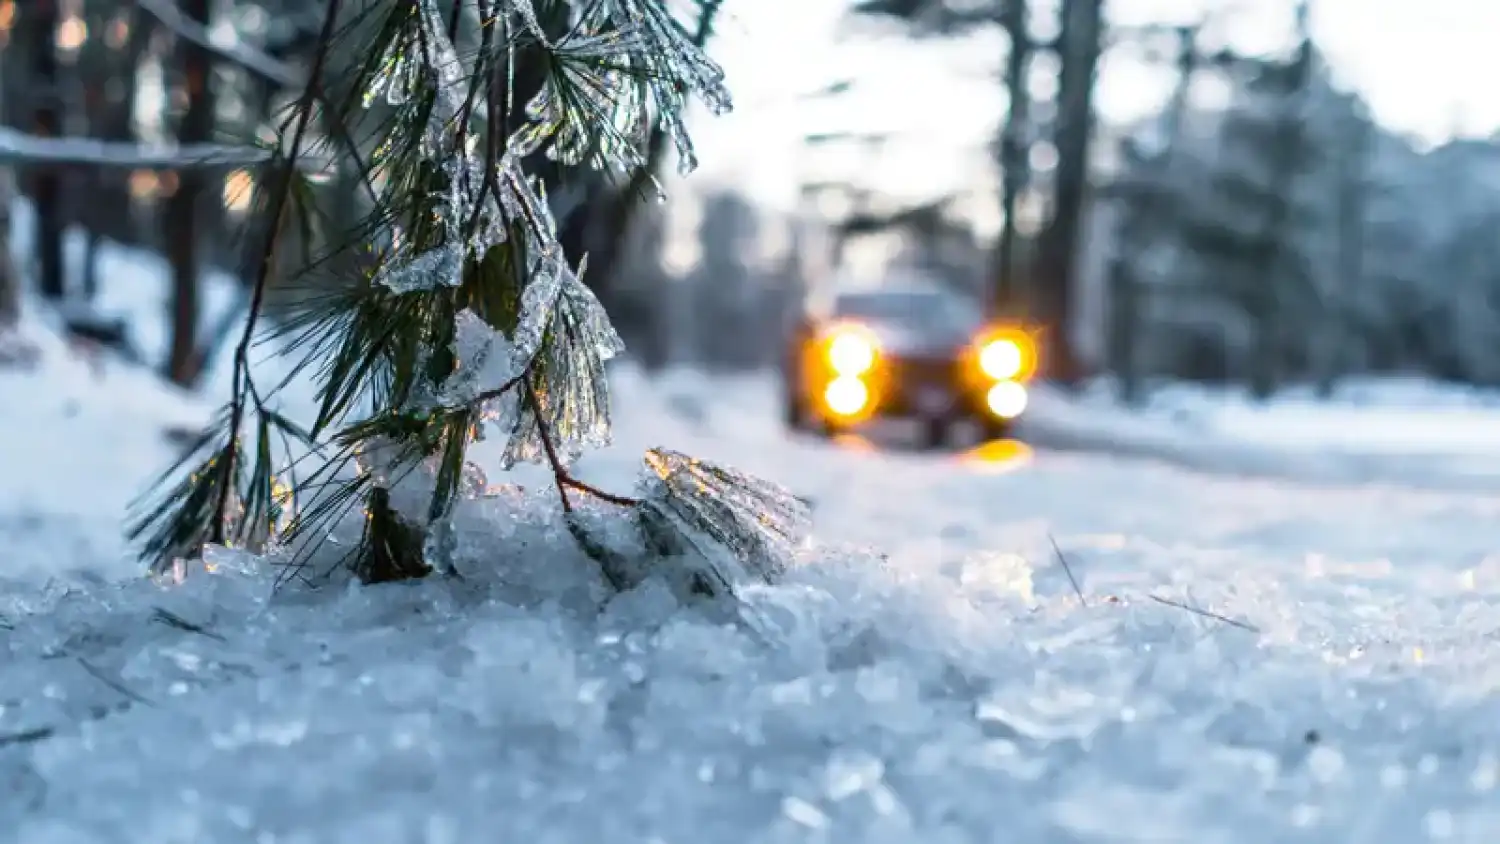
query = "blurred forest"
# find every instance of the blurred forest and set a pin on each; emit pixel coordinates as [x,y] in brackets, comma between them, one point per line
[1277,236]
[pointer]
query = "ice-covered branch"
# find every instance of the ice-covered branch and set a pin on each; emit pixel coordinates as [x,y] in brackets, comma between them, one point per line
[257,62]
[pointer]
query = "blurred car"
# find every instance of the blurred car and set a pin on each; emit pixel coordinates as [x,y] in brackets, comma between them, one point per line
[910,352]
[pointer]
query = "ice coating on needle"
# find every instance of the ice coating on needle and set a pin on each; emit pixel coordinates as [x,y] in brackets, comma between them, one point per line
[744,527]
[433,269]
[642,37]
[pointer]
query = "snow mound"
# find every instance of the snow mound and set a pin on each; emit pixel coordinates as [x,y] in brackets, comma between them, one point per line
[942,693]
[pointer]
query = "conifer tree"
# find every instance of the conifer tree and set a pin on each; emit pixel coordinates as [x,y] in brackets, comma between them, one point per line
[451,313]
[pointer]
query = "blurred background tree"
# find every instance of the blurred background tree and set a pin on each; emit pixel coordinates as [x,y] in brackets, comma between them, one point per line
[1270,234]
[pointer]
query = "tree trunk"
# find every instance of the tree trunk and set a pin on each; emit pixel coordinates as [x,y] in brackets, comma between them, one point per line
[1266,309]
[182,229]
[1351,249]
[110,213]
[1014,166]
[46,121]
[1140,224]
[10,286]
[1081,40]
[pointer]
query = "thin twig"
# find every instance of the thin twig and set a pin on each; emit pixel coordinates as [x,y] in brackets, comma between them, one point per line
[543,430]
[1068,569]
[1205,613]
[590,489]
[278,207]
[560,474]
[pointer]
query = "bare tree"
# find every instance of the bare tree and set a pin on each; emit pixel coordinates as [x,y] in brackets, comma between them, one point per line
[39,24]
[1081,43]
[180,220]
[1014,148]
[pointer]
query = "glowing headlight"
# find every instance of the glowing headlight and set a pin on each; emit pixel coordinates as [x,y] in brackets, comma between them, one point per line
[846,396]
[851,354]
[1002,359]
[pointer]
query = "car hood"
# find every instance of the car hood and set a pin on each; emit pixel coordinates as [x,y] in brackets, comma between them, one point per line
[905,341]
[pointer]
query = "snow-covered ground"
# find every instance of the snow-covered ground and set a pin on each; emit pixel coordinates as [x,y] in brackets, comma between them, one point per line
[1250,660]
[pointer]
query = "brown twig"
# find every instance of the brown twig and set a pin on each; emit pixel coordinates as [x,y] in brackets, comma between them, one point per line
[560,474]
[620,500]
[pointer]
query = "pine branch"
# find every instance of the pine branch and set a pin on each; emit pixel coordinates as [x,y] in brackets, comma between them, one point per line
[453,308]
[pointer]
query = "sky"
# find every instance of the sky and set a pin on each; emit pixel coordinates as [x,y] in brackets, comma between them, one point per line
[1427,68]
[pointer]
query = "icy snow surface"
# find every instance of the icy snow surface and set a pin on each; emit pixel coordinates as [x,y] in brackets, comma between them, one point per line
[949,689]
[926,675]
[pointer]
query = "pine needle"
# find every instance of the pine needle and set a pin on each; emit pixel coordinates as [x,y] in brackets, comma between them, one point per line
[1205,613]
[1063,560]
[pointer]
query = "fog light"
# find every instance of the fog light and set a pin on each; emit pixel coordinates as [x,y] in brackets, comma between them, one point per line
[1006,400]
[846,396]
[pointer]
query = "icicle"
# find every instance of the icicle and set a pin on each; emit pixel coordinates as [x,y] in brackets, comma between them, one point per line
[570,336]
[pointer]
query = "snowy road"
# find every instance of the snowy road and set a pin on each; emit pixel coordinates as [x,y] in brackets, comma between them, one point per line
[953,690]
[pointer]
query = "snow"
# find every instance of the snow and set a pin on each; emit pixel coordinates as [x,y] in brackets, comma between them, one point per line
[1407,428]
[926,673]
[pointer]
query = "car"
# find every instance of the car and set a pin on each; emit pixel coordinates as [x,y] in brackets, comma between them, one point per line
[906,352]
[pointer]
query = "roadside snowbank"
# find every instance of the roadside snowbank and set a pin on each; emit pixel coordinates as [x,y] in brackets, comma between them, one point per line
[1400,431]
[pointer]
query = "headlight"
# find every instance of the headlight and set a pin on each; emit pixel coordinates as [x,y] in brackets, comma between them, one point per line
[1002,359]
[851,354]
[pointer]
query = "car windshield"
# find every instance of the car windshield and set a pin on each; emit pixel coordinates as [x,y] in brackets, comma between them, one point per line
[924,311]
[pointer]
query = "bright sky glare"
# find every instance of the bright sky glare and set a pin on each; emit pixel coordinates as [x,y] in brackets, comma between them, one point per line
[1427,68]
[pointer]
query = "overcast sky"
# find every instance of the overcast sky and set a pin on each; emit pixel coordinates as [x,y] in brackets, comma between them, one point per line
[1428,67]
